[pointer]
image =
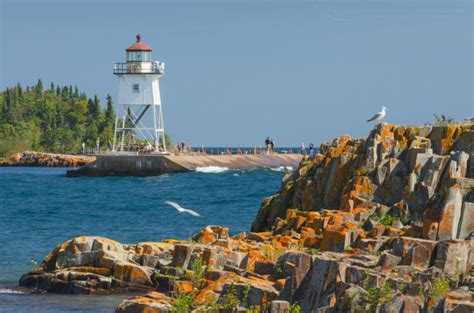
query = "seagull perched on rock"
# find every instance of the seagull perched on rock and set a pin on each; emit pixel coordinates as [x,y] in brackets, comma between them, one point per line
[180,209]
[378,116]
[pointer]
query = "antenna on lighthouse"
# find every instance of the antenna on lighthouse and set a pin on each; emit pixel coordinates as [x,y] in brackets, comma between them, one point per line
[141,128]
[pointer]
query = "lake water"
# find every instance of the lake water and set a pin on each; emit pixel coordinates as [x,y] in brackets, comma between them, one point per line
[41,208]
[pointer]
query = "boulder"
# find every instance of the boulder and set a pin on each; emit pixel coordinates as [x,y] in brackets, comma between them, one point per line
[401,304]
[211,234]
[295,266]
[152,302]
[279,306]
[133,273]
[450,214]
[452,257]
[319,285]
[466,224]
[414,251]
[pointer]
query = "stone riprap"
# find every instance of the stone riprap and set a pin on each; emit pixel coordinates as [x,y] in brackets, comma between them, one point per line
[41,159]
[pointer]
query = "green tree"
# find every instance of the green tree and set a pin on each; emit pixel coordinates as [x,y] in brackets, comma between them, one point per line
[57,120]
[39,87]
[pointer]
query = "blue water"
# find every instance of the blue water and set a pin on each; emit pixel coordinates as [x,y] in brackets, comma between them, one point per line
[41,208]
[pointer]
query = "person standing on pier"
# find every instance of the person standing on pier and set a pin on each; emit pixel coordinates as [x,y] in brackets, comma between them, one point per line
[267,144]
[303,149]
[311,149]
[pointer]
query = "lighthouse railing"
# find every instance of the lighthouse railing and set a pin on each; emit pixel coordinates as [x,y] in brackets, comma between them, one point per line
[138,68]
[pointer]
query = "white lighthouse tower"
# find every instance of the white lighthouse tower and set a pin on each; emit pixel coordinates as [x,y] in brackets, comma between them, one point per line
[139,98]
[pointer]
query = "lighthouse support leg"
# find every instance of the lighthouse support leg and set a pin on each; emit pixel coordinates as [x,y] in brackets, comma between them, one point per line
[115,134]
[155,131]
[161,126]
[122,141]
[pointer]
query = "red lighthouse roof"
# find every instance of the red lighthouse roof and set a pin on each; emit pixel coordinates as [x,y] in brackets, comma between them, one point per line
[139,45]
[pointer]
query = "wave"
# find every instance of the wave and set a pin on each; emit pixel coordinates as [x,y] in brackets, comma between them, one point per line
[10,291]
[211,169]
[282,169]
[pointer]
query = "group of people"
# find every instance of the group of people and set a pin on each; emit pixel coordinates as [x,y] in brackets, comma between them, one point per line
[144,149]
[304,151]
[97,146]
[180,147]
[269,145]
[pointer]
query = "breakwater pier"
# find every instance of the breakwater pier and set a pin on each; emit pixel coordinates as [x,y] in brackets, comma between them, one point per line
[152,165]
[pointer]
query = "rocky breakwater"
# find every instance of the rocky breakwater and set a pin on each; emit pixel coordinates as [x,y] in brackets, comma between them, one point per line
[32,158]
[379,224]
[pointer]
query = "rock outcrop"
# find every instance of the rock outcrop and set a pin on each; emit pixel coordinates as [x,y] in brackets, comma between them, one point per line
[380,224]
[32,158]
[414,176]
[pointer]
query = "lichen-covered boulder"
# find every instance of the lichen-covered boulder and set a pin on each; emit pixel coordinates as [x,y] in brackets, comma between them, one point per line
[152,302]
[97,265]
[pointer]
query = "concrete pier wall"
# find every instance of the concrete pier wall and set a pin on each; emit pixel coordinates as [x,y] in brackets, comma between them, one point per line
[152,165]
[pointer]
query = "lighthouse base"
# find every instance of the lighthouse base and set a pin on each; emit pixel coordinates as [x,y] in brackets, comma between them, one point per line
[153,165]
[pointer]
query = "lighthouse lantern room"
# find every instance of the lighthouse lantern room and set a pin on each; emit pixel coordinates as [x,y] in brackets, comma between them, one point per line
[141,125]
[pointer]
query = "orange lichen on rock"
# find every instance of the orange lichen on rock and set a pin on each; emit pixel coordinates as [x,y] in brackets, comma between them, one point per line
[389,210]
[183,286]
[211,234]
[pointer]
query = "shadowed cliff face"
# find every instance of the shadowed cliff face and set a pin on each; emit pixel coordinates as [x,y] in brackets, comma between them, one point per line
[419,175]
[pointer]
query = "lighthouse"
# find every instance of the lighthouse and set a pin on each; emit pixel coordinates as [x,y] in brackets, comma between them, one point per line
[141,124]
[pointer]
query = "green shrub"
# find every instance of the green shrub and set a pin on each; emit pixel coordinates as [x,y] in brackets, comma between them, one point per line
[182,304]
[246,290]
[198,272]
[230,300]
[313,251]
[443,120]
[376,296]
[387,220]
[439,288]
[295,308]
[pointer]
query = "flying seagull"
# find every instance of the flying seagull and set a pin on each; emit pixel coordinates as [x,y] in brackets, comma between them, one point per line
[181,209]
[378,116]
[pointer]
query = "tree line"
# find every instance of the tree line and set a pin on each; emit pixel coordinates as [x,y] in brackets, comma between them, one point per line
[56,119]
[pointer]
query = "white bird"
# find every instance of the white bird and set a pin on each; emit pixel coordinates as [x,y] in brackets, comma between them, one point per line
[181,209]
[378,116]
[34,262]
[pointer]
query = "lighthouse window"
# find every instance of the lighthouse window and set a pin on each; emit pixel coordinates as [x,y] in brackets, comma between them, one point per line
[136,88]
[138,56]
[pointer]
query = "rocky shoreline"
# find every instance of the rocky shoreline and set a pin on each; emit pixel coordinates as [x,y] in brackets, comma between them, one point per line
[42,159]
[379,224]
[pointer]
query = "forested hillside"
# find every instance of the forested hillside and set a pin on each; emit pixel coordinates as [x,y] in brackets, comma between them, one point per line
[55,119]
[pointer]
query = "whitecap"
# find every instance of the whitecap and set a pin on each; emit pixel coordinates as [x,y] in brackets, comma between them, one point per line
[282,169]
[211,169]
[9,291]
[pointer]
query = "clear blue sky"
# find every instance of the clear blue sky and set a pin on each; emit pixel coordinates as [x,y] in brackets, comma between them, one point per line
[239,71]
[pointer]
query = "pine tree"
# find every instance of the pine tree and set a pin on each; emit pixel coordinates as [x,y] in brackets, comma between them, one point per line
[93,108]
[109,111]
[39,87]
